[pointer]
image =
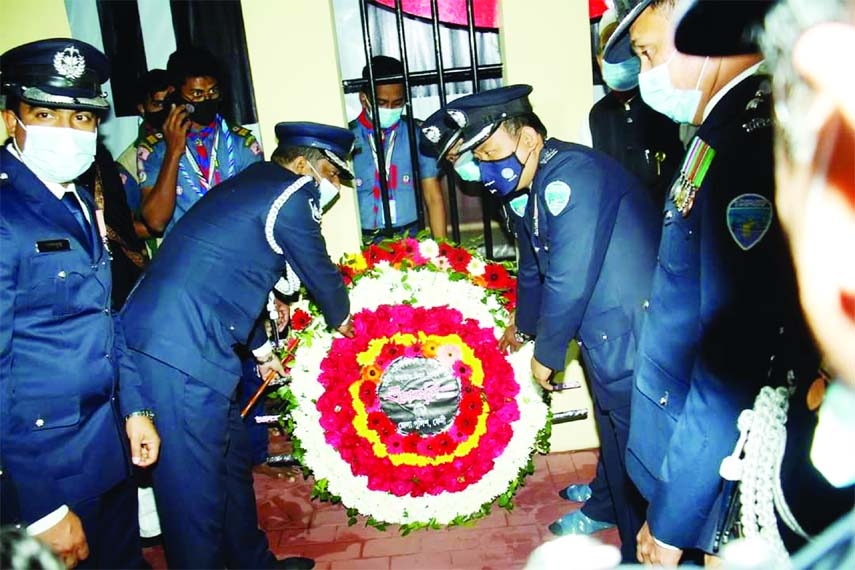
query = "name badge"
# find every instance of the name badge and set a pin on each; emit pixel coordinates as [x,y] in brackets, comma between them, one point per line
[49,245]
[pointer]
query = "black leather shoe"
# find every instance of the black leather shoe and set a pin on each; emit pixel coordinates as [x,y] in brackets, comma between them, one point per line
[295,563]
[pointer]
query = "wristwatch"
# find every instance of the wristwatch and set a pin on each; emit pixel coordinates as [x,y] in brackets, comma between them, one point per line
[521,337]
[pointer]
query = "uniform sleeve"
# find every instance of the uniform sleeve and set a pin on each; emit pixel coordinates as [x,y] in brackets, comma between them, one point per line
[130,382]
[578,237]
[248,152]
[149,163]
[428,166]
[529,283]
[298,233]
[132,188]
[744,301]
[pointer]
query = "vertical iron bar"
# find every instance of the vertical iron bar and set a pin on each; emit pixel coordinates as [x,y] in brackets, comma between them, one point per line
[443,100]
[486,200]
[375,119]
[411,123]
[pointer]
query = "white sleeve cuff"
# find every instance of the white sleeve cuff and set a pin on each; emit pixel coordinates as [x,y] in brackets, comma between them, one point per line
[262,351]
[664,545]
[48,521]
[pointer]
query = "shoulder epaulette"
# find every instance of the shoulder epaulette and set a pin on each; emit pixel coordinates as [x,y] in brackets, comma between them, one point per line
[151,140]
[241,131]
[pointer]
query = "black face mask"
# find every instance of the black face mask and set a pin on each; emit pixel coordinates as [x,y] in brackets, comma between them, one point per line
[156,119]
[203,112]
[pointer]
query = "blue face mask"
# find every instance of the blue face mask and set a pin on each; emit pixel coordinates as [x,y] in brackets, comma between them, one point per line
[621,76]
[467,168]
[501,177]
[657,90]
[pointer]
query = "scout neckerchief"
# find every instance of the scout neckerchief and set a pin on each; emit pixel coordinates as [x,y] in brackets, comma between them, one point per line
[388,137]
[205,167]
[692,173]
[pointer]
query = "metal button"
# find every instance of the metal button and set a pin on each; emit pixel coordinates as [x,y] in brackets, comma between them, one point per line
[231,327]
[646,304]
[3,176]
[605,337]
[663,401]
[40,422]
[106,311]
[669,214]
[108,356]
[62,274]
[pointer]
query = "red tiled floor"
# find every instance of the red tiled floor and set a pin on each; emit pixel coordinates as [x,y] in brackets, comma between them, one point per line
[297,526]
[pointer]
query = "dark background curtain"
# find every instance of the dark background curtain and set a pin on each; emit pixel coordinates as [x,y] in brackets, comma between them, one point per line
[218,27]
[123,45]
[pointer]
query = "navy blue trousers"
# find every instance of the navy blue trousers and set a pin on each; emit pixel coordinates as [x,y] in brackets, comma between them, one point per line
[202,480]
[111,524]
[259,440]
[614,498]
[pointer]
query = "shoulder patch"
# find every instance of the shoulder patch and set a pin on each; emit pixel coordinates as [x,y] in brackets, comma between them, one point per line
[749,217]
[518,205]
[557,196]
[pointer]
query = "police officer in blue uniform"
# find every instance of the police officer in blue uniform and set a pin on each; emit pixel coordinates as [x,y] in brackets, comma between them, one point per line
[210,282]
[67,414]
[723,318]
[587,239]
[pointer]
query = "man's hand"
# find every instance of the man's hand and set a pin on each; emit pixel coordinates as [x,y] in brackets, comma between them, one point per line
[647,551]
[508,341]
[346,328]
[541,374]
[145,442]
[284,314]
[67,539]
[175,129]
[270,365]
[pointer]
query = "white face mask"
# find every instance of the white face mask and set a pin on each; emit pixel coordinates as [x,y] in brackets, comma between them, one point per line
[831,453]
[388,117]
[57,154]
[657,90]
[467,168]
[328,190]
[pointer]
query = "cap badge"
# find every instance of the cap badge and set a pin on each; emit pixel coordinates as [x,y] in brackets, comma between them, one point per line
[459,117]
[432,134]
[69,63]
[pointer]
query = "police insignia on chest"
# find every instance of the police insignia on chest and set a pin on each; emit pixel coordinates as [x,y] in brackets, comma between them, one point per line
[692,174]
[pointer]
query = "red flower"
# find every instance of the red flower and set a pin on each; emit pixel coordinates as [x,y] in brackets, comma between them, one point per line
[411,442]
[459,259]
[374,254]
[380,423]
[300,319]
[509,299]
[497,277]
[466,422]
[368,394]
[389,352]
[347,273]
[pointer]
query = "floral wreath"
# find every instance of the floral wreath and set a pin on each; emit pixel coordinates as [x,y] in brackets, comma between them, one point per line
[419,419]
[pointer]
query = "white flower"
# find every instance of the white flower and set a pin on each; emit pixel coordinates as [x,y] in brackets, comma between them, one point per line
[476,267]
[429,249]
